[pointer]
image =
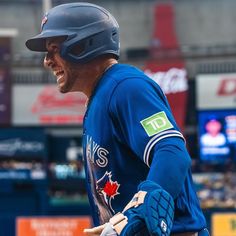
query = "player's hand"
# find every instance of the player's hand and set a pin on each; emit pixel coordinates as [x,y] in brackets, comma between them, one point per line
[150,212]
[151,207]
[109,230]
[125,225]
[117,224]
[95,231]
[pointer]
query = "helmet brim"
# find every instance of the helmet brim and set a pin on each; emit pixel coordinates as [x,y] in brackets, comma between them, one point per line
[38,42]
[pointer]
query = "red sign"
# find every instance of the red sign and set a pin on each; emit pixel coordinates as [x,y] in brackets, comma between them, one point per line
[169,73]
[49,101]
[227,87]
[52,226]
[43,104]
[164,35]
[174,84]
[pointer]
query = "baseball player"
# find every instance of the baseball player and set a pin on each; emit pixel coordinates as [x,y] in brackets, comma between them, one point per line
[137,166]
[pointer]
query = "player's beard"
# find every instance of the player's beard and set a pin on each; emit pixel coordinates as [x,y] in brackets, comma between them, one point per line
[65,85]
[66,82]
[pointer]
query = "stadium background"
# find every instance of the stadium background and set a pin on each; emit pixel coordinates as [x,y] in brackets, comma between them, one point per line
[187,46]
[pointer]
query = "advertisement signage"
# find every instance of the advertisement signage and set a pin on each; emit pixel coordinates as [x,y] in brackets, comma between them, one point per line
[5,84]
[216,91]
[22,142]
[56,226]
[5,97]
[224,224]
[169,73]
[40,104]
[217,136]
[5,50]
[172,78]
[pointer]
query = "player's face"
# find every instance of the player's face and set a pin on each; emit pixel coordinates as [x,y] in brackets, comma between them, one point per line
[213,127]
[67,74]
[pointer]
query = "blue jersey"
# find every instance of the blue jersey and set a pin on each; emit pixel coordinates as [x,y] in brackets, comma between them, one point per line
[127,115]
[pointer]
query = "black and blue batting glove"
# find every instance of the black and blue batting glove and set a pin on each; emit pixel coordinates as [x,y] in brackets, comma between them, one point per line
[150,212]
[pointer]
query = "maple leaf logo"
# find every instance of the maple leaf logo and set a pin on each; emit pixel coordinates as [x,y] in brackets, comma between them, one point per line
[107,188]
[111,188]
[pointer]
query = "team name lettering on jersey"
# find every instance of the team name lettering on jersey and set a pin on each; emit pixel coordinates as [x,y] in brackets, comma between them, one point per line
[156,123]
[95,153]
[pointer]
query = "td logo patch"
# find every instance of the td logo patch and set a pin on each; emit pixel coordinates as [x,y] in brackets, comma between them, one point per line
[156,123]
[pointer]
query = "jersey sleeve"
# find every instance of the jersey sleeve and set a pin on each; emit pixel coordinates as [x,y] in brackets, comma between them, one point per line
[141,116]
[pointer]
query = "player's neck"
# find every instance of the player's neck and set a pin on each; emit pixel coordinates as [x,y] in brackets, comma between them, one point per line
[99,69]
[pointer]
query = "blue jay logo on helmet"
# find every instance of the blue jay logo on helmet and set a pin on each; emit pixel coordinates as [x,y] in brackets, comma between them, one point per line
[80,23]
[44,20]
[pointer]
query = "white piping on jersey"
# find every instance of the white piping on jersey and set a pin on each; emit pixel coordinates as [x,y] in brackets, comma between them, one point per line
[157,138]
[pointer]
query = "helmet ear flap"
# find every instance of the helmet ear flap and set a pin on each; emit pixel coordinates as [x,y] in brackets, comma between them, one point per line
[83,50]
[74,49]
[77,49]
[115,35]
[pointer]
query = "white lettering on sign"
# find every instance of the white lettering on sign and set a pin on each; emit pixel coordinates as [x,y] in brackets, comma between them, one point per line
[11,146]
[172,81]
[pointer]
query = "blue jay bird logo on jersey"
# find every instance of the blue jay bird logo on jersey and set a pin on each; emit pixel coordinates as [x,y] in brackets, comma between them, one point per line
[107,188]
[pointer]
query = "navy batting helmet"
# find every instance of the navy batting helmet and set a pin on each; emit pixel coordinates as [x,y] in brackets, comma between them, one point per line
[85,24]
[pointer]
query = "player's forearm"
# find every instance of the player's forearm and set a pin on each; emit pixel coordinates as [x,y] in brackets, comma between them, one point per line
[170,165]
